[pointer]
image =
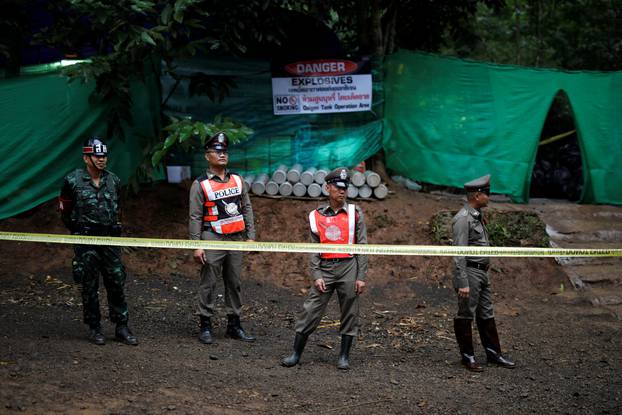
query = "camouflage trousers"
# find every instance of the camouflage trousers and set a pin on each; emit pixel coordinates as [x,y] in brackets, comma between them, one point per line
[89,261]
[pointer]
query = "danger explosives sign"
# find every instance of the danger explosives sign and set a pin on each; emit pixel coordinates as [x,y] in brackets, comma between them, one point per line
[321,86]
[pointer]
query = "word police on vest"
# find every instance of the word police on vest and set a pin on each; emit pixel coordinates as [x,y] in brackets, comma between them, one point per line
[221,194]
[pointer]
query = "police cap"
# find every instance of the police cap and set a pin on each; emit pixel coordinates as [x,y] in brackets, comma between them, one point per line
[218,141]
[94,146]
[339,177]
[481,184]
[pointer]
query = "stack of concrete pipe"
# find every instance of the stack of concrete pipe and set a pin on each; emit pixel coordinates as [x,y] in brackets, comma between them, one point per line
[300,182]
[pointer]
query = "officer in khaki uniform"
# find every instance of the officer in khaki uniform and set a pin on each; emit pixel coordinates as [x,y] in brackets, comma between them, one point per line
[220,210]
[336,223]
[471,280]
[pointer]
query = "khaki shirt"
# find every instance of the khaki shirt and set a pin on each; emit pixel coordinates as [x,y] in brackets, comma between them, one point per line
[197,199]
[468,230]
[360,232]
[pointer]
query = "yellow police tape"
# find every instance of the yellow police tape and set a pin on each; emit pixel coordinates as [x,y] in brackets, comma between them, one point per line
[369,249]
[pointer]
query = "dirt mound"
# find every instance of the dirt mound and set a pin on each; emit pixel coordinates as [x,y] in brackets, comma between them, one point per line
[405,359]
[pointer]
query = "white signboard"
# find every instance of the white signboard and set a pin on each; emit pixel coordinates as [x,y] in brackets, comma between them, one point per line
[321,86]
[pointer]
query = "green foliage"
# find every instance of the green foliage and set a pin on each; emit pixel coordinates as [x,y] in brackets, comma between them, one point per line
[188,133]
[577,34]
[131,36]
[509,229]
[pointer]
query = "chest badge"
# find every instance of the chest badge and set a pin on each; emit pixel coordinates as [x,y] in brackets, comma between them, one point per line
[232,209]
[333,233]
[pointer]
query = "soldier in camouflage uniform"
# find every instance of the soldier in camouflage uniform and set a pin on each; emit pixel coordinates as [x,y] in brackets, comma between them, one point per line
[471,280]
[89,205]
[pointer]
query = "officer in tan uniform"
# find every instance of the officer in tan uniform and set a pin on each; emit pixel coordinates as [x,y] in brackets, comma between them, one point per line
[471,280]
[336,223]
[220,210]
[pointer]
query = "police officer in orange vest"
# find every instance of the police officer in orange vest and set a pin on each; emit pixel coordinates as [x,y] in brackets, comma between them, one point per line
[220,210]
[336,223]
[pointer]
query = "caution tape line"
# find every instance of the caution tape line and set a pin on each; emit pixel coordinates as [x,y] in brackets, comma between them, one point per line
[369,249]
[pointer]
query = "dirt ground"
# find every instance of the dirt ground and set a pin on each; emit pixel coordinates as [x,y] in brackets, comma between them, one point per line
[405,360]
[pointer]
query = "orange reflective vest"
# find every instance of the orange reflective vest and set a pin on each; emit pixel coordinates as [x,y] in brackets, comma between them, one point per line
[223,203]
[338,229]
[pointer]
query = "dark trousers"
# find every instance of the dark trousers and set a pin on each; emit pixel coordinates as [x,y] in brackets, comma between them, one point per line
[225,264]
[479,303]
[89,261]
[341,277]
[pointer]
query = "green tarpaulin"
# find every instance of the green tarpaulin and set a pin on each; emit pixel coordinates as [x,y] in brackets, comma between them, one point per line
[446,121]
[449,120]
[313,140]
[43,122]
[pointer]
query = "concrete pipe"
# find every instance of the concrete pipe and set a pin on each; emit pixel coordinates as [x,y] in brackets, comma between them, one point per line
[314,190]
[319,176]
[280,174]
[372,179]
[365,191]
[248,181]
[381,191]
[300,189]
[272,188]
[285,189]
[293,174]
[258,186]
[352,191]
[357,178]
[306,177]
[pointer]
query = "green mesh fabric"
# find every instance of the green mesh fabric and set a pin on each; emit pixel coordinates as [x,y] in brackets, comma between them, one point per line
[448,121]
[43,123]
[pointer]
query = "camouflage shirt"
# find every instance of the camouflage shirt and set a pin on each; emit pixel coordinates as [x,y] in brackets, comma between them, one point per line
[91,205]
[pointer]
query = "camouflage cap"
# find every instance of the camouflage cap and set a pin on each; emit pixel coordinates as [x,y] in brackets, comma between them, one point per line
[481,184]
[218,141]
[340,177]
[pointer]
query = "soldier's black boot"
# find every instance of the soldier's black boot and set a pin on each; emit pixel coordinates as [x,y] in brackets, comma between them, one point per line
[464,336]
[205,331]
[344,357]
[299,345]
[124,335]
[96,336]
[490,340]
[235,330]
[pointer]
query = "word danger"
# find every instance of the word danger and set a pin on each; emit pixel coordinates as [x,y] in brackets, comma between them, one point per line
[321,67]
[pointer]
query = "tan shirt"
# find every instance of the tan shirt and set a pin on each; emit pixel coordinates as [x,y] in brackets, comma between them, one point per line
[197,199]
[468,230]
[360,231]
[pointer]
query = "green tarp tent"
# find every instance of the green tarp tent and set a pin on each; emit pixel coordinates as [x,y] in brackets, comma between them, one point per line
[313,140]
[449,120]
[43,122]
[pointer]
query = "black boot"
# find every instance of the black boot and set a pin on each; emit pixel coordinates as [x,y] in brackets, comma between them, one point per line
[344,357]
[124,335]
[490,340]
[235,330]
[96,336]
[299,345]
[464,336]
[205,333]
